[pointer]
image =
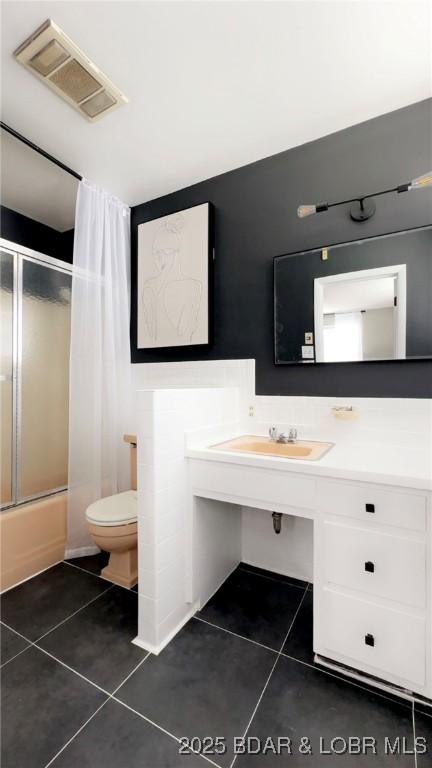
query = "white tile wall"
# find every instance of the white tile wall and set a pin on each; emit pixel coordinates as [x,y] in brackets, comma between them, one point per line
[399,421]
[199,373]
[163,417]
[192,395]
[405,422]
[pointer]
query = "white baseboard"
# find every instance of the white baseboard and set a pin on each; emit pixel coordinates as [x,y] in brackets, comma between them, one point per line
[156,649]
[90,549]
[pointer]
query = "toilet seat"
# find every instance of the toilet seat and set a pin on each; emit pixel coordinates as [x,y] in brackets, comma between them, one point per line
[119,509]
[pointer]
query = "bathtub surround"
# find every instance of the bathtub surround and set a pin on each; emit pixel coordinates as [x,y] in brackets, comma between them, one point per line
[99,360]
[256,219]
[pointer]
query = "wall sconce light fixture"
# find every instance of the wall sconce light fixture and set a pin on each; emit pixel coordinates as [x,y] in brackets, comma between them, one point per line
[363,208]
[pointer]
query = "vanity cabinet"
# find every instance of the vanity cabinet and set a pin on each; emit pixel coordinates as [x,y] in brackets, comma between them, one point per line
[372,582]
[372,562]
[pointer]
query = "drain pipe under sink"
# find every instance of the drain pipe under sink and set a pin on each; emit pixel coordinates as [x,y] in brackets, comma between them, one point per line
[277,521]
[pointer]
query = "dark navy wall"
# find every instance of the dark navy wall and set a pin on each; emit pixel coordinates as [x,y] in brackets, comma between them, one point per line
[255,220]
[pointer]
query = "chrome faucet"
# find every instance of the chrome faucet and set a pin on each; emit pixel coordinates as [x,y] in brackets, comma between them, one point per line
[281,437]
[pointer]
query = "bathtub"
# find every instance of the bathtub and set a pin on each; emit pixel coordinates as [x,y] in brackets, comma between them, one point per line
[32,538]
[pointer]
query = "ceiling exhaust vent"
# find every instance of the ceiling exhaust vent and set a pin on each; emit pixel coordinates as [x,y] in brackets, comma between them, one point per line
[59,63]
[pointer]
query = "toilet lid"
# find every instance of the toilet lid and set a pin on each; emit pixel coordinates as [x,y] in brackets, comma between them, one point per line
[119,509]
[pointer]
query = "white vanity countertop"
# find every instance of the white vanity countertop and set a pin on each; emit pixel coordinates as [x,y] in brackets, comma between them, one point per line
[367,462]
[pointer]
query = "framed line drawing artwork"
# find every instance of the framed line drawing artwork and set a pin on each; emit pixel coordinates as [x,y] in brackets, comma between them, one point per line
[174,259]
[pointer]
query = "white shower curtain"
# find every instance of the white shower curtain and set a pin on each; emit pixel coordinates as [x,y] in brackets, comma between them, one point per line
[100,389]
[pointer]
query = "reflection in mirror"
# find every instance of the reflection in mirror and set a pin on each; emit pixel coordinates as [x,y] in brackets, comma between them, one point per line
[360,315]
[363,301]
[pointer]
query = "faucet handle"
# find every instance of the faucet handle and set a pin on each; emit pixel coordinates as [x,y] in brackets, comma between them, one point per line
[292,434]
[273,433]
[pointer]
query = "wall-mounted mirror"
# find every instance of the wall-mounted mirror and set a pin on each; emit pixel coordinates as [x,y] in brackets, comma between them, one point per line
[360,301]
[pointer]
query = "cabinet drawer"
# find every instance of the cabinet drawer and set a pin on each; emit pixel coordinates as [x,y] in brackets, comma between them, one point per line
[347,624]
[381,564]
[373,504]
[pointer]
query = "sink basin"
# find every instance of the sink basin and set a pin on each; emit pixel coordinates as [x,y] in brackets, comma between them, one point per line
[309,450]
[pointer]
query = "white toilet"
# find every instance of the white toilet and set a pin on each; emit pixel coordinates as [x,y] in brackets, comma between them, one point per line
[113,525]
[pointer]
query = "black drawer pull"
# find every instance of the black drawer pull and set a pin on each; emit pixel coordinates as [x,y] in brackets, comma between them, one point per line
[369,640]
[370,507]
[369,566]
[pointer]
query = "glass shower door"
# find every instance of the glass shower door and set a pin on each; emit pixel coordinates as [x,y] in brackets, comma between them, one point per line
[35,321]
[7,261]
[44,380]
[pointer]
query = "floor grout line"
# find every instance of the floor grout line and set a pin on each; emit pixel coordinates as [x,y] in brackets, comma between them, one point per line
[31,643]
[131,673]
[71,669]
[98,576]
[110,696]
[14,657]
[235,634]
[414,735]
[294,618]
[272,578]
[271,671]
[34,642]
[161,728]
[19,635]
[73,614]
[76,734]
[16,632]
[350,681]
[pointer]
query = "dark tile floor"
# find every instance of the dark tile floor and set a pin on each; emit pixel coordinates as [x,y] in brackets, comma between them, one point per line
[255,607]
[76,692]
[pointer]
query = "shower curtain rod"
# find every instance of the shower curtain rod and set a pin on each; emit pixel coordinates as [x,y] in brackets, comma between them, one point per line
[41,151]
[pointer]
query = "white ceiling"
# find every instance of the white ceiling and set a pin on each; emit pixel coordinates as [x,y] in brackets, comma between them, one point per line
[32,185]
[215,85]
[357,295]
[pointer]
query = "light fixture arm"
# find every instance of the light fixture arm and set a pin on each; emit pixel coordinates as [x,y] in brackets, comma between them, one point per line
[399,189]
[361,211]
